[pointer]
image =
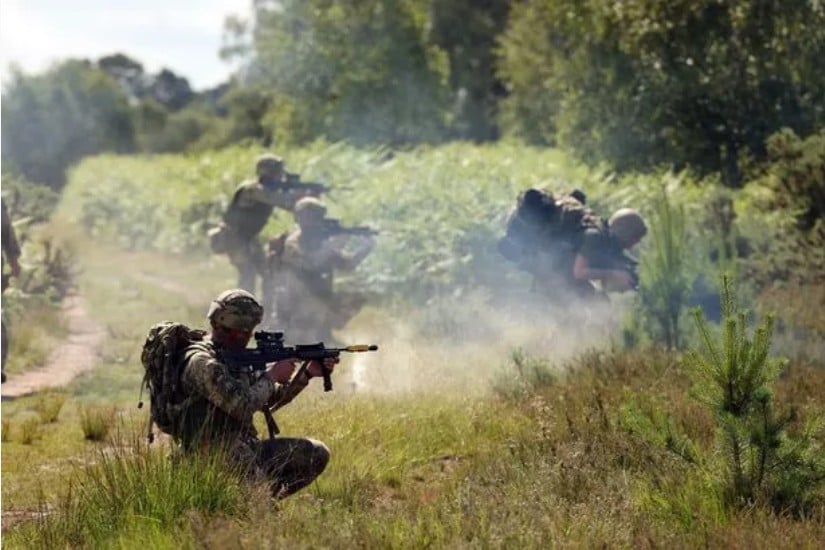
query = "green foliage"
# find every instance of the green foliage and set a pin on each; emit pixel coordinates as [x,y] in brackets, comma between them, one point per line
[27,202]
[439,211]
[52,120]
[359,71]
[665,281]
[528,374]
[645,418]
[693,82]
[788,190]
[467,32]
[734,377]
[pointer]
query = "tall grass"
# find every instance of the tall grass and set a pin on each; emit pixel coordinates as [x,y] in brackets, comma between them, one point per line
[132,489]
[665,281]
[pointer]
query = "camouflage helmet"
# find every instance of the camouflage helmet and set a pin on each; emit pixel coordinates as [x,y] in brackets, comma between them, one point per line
[627,225]
[236,309]
[310,204]
[268,164]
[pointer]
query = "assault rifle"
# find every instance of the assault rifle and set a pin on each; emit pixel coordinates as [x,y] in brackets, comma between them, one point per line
[293,182]
[270,348]
[333,226]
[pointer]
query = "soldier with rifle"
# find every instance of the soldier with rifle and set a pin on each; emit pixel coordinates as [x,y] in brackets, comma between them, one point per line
[302,266]
[248,212]
[206,387]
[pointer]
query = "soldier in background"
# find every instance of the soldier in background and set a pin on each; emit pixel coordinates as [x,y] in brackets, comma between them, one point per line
[248,213]
[567,247]
[11,252]
[302,267]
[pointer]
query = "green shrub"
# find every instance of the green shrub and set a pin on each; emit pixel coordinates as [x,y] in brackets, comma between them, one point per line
[527,374]
[734,375]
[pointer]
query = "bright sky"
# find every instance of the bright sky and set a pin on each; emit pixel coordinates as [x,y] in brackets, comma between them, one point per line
[181,35]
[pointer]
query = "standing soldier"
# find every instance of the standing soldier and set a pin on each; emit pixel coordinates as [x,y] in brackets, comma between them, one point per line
[302,273]
[251,206]
[11,252]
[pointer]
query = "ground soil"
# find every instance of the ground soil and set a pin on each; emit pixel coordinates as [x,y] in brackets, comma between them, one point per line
[77,354]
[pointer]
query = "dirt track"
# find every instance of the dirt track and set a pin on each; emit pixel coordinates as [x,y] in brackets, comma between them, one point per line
[77,354]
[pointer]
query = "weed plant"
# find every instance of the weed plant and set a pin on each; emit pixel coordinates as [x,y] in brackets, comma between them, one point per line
[48,406]
[30,430]
[5,435]
[96,421]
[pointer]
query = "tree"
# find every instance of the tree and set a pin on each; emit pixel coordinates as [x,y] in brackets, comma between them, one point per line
[348,70]
[467,31]
[643,82]
[52,120]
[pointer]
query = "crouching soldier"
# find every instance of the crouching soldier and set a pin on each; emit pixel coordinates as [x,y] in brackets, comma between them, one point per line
[219,403]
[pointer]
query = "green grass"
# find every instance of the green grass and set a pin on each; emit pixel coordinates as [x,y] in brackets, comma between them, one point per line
[479,423]
[34,328]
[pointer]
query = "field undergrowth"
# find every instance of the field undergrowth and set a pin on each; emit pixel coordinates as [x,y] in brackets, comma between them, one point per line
[484,420]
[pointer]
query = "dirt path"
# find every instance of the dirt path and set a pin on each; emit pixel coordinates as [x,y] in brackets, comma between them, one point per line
[76,355]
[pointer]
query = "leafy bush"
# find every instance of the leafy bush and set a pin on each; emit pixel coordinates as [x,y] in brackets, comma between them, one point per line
[786,201]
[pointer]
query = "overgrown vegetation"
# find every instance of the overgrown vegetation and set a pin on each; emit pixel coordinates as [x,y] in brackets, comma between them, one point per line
[488,419]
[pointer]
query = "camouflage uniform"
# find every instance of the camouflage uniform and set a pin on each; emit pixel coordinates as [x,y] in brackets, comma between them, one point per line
[251,206]
[11,250]
[218,412]
[306,306]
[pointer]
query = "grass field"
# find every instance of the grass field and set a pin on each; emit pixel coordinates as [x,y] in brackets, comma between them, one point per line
[478,424]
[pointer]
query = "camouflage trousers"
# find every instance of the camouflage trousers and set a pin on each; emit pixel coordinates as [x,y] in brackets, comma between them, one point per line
[290,463]
[248,258]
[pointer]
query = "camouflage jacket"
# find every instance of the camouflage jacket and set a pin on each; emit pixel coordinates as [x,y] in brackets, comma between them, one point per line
[221,402]
[253,203]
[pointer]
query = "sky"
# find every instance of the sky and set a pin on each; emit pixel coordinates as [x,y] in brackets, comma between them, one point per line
[181,35]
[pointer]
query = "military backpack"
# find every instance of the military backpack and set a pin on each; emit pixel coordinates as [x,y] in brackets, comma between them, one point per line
[162,358]
[546,222]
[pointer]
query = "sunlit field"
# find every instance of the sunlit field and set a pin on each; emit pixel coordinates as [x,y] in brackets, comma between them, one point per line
[487,418]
